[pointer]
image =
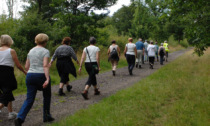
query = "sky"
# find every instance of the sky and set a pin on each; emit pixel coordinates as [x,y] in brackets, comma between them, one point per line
[18,7]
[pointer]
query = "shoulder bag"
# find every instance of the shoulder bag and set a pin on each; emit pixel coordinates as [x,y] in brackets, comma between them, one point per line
[95,69]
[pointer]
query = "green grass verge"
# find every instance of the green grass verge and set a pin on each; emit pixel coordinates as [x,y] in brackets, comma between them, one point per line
[175,95]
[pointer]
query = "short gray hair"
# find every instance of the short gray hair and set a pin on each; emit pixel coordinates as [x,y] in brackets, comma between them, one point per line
[6,40]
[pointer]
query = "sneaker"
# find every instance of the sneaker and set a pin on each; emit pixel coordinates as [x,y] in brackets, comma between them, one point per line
[68,87]
[97,92]
[85,95]
[12,115]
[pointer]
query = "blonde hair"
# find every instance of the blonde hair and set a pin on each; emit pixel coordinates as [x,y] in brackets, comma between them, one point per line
[6,40]
[41,39]
[130,39]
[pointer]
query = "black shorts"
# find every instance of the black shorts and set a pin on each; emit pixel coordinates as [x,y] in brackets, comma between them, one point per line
[64,77]
[5,98]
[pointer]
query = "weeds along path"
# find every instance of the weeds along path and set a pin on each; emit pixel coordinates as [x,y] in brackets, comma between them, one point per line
[73,101]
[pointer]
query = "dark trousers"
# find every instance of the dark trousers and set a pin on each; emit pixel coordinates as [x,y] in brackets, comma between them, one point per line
[131,61]
[157,56]
[34,81]
[92,77]
[151,60]
[161,60]
[142,59]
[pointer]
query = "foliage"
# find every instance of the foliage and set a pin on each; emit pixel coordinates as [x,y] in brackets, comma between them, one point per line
[122,19]
[194,14]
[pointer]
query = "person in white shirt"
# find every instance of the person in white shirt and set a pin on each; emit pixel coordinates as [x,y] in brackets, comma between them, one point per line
[146,52]
[37,78]
[91,56]
[151,54]
[130,52]
[8,83]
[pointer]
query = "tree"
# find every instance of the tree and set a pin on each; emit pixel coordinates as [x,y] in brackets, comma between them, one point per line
[194,14]
[122,19]
[10,5]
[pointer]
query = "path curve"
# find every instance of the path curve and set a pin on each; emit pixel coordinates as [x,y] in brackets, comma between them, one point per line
[73,101]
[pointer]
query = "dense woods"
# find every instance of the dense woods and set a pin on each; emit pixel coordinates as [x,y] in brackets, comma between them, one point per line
[148,19]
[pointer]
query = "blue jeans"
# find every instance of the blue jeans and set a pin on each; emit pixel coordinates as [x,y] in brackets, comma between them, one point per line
[131,61]
[34,81]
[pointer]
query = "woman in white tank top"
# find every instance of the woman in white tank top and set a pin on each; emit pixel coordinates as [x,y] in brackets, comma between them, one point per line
[130,52]
[8,58]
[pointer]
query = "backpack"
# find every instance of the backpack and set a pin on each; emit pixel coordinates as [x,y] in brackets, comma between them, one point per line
[114,54]
[162,52]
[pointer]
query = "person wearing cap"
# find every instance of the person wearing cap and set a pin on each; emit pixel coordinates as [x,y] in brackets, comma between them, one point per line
[92,57]
[114,60]
[157,48]
[140,53]
[64,54]
[145,51]
[130,52]
[8,83]
[165,45]
[161,52]
[151,53]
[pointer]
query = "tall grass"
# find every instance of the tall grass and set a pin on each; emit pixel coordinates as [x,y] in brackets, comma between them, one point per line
[178,94]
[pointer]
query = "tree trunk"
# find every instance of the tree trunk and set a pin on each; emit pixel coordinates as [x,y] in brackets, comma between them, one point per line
[40,6]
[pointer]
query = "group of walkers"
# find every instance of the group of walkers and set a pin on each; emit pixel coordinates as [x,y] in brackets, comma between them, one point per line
[138,53]
[38,64]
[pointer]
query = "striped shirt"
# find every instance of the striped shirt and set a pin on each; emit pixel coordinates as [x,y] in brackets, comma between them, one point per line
[64,51]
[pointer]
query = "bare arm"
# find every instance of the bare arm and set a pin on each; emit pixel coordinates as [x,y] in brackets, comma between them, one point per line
[108,52]
[16,61]
[46,71]
[98,59]
[135,51]
[81,61]
[27,65]
[125,50]
[118,49]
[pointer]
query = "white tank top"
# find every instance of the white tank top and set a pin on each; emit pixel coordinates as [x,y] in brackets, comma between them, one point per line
[6,58]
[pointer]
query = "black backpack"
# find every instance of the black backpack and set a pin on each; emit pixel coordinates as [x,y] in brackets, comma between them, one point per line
[114,54]
[162,52]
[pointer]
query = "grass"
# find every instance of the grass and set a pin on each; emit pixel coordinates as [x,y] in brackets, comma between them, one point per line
[178,94]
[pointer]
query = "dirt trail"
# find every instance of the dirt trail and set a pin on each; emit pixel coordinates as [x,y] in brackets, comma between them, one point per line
[73,101]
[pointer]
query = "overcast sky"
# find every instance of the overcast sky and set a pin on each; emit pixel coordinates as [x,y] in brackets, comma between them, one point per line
[17,7]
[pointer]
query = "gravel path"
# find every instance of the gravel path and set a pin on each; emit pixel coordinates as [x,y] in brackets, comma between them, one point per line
[73,101]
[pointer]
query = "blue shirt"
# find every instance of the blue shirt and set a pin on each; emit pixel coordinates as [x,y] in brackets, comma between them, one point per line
[157,48]
[139,45]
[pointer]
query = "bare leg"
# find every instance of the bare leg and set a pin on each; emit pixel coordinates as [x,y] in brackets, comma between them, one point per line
[9,106]
[67,83]
[87,87]
[61,85]
[1,106]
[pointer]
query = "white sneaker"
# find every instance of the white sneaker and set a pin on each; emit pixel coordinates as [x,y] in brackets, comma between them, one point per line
[12,115]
